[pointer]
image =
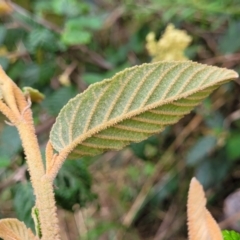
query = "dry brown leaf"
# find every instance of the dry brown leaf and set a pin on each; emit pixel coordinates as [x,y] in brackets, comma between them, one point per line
[201,225]
[13,229]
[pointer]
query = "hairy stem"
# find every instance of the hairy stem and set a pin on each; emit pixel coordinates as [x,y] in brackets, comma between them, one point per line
[43,187]
[15,107]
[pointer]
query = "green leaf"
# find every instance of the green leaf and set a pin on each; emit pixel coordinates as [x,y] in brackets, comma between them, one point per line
[10,143]
[58,99]
[91,78]
[228,43]
[212,171]
[23,203]
[76,37]
[79,23]
[36,219]
[201,149]
[42,38]
[34,94]
[230,235]
[73,185]
[3,32]
[62,7]
[4,162]
[78,30]
[131,106]
[4,62]
[232,147]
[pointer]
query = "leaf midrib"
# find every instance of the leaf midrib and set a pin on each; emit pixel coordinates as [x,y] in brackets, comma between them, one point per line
[129,115]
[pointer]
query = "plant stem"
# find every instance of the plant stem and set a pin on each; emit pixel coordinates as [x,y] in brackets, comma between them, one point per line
[43,187]
[17,109]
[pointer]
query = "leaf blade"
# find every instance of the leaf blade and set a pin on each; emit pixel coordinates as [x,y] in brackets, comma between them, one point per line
[201,224]
[11,228]
[133,105]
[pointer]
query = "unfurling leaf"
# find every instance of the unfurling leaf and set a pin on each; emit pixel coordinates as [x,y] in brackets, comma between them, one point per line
[131,106]
[201,225]
[35,216]
[34,94]
[11,228]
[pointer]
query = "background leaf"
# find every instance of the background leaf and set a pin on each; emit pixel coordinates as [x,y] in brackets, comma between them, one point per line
[77,30]
[10,143]
[228,43]
[200,150]
[58,99]
[232,147]
[23,202]
[75,182]
[230,235]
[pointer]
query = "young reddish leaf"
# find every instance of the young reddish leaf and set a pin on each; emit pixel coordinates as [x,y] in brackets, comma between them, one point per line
[13,229]
[201,225]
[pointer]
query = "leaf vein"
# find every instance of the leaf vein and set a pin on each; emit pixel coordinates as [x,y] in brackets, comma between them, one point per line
[81,152]
[92,145]
[172,113]
[174,82]
[70,127]
[190,79]
[61,136]
[138,88]
[118,96]
[94,108]
[146,120]
[116,138]
[157,83]
[196,98]
[119,126]
[181,104]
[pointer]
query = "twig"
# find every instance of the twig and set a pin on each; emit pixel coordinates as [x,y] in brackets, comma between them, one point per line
[229,57]
[46,125]
[231,118]
[227,222]
[167,160]
[95,57]
[113,17]
[80,221]
[167,221]
[15,177]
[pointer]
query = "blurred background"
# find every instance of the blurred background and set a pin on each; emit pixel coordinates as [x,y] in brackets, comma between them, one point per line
[60,47]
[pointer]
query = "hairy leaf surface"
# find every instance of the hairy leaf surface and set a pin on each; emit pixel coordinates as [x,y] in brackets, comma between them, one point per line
[131,106]
[11,228]
[201,225]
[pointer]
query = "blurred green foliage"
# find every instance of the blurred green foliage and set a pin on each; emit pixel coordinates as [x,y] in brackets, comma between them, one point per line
[73,185]
[87,41]
[82,25]
[230,235]
[23,202]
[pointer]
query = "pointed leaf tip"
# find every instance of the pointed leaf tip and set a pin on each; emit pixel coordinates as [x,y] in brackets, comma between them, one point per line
[201,225]
[133,105]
